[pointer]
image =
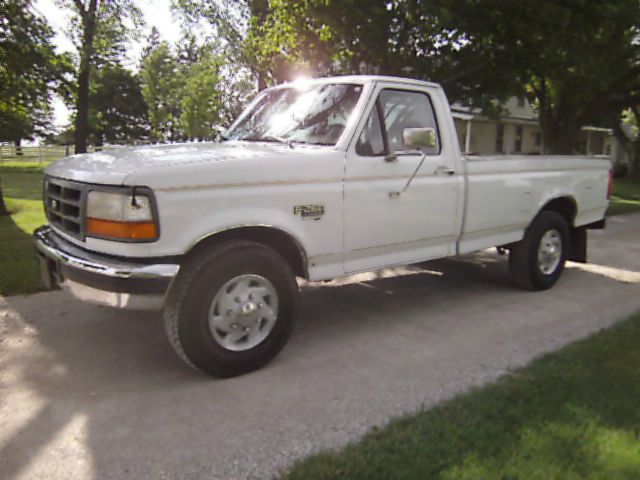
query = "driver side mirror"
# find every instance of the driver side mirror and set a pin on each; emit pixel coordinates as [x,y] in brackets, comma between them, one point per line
[420,137]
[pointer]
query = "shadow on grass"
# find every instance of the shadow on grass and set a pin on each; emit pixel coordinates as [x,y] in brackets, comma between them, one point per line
[22,192]
[18,266]
[19,272]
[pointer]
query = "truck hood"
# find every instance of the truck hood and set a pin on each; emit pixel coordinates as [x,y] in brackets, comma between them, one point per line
[116,166]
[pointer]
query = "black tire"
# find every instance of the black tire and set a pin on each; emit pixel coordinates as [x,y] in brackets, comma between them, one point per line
[523,257]
[186,310]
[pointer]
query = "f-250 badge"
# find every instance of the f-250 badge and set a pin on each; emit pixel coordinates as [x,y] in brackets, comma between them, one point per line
[309,211]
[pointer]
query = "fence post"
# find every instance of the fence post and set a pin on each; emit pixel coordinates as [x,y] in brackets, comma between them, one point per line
[39,154]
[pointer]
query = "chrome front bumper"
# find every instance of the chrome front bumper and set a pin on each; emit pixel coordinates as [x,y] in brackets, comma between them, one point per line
[102,279]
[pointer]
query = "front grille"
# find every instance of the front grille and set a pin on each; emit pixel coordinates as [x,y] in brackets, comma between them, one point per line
[64,204]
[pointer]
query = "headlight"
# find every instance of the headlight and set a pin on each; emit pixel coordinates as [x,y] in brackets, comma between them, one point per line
[120,216]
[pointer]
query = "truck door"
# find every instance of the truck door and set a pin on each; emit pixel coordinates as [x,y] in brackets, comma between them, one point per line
[385,225]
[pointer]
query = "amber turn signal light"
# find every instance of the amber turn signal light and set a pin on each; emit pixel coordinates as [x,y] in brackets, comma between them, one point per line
[124,230]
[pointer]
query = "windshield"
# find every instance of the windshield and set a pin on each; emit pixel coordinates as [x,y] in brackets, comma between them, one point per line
[315,115]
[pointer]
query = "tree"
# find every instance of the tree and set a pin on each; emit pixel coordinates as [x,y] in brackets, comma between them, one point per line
[230,21]
[201,99]
[100,32]
[118,112]
[30,71]
[162,89]
[236,89]
[408,38]
[577,59]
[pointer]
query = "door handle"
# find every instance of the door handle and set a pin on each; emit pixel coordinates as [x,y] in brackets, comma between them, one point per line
[442,170]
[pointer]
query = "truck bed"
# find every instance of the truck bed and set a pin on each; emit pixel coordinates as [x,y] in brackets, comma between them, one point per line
[503,192]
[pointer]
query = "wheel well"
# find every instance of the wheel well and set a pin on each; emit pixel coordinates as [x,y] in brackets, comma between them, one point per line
[565,206]
[280,241]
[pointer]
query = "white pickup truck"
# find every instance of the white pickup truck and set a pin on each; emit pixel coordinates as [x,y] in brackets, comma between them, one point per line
[316,179]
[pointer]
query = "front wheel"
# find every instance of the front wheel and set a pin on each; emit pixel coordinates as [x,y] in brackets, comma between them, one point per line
[537,261]
[232,308]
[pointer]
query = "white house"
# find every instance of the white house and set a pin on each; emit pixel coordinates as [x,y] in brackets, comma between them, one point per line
[518,131]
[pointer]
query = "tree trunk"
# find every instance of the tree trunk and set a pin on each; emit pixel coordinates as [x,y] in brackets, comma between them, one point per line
[82,104]
[560,134]
[82,110]
[634,161]
[3,206]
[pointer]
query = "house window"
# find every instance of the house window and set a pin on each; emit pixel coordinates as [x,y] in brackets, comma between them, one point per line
[499,138]
[518,143]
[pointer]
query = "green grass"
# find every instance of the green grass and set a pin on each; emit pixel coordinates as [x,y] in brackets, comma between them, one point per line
[625,197]
[573,414]
[22,187]
[25,165]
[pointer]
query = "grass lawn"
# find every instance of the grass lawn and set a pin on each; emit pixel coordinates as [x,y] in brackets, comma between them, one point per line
[22,189]
[625,197]
[573,414]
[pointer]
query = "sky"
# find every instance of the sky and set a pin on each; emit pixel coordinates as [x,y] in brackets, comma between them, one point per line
[156,13]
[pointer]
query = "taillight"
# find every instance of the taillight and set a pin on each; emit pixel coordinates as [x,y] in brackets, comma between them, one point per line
[610,186]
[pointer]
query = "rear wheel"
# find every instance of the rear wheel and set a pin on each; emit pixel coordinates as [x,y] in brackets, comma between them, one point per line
[232,308]
[538,260]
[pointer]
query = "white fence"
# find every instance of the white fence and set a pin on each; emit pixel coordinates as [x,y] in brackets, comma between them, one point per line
[42,153]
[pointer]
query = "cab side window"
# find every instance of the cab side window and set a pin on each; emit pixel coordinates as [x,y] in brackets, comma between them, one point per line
[371,142]
[405,109]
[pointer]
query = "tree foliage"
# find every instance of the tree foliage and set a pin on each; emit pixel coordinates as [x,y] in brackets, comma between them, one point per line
[162,91]
[201,99]
[30,71]
[577,60]
[118,112]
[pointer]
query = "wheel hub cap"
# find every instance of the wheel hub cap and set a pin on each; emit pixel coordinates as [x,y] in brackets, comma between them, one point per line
[549,252]
[248,308]
[243,312]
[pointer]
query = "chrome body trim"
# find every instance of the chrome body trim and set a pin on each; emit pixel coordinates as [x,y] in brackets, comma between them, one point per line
[99,264]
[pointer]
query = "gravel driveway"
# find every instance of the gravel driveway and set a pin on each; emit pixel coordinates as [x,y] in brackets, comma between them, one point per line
[87,392]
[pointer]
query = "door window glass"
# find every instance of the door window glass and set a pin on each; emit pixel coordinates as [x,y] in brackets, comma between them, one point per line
[370,142]
[404,109]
